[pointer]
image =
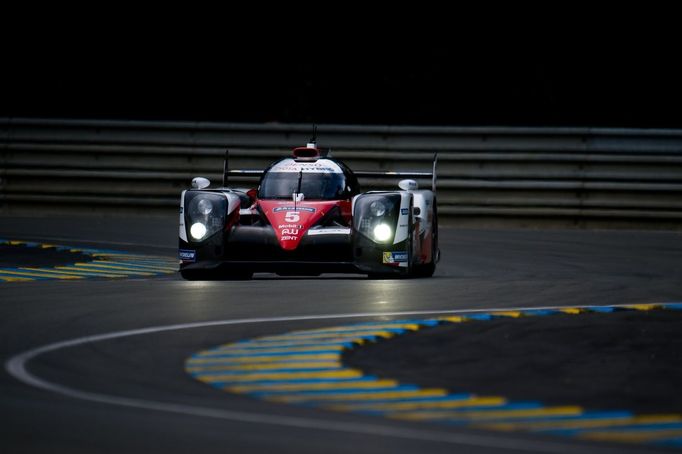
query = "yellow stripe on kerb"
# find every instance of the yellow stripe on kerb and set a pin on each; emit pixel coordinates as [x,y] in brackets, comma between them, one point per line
[140,266]
[15,279]
[61,273]
[454,319]
[352,329]
[368,396]
[397,406]
[512,314]
[38,274]
[246,351]
[266,366]
[312,342]
[345,373]
[91,271]
[587,423]
[240,389]
[635,436]
[335,336]
[263,359]
[643,307]
[572,310]
[111,269]
[489,414]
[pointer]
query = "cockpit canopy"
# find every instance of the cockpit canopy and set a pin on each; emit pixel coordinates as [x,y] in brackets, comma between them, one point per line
[322,179]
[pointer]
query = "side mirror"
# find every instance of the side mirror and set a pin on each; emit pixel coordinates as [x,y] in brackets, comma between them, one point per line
[200,183]
[408,185]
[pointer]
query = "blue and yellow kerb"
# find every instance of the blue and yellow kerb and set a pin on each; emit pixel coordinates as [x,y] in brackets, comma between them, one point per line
[305,368]
[104,264]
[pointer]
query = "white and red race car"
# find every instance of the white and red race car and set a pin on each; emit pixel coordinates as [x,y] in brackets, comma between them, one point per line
[308,217]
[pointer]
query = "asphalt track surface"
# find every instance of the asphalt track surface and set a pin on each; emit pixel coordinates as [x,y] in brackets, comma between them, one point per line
[129,393]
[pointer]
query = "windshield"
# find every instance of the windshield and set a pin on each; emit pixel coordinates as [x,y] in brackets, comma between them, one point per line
[314,185]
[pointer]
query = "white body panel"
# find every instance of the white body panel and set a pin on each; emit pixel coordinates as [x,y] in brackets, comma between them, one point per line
[402,230]
[183,231]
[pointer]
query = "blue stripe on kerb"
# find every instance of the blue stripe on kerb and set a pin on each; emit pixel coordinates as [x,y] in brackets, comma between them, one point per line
[602,309]
[540,312]
[481,316]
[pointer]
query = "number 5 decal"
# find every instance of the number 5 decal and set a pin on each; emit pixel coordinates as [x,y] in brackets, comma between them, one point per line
[292,216]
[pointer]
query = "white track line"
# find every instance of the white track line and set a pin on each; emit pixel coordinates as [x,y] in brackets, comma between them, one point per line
[16,367]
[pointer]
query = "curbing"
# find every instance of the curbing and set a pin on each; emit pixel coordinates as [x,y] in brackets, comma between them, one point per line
[305,368]
[104,264]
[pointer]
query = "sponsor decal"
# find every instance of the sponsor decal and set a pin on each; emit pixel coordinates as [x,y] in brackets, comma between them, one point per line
[290,226]
[320,166]
[340,231]
[390,258]
[182,209]
[291,208]
[188,255]
[404,211]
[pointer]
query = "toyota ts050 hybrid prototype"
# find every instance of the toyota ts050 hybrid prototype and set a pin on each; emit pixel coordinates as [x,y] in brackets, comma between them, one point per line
[308,217]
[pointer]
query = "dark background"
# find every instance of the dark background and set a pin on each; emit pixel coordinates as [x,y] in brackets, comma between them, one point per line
[563,68]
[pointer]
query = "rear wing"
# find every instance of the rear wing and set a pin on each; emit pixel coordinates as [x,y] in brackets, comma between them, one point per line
[362,174]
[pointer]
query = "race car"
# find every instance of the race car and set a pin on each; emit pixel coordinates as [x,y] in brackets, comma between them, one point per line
[308,217]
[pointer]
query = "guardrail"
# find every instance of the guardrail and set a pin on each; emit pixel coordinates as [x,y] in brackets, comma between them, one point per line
[569,174]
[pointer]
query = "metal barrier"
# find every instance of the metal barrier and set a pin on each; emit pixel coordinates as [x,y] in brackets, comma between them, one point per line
[571,174]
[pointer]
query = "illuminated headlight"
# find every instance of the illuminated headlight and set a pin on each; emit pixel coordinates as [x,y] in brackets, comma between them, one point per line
[205,206]
[377,208]
[382,233]
[198,230]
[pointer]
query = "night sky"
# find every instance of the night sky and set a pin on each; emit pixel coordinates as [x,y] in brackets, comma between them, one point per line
[542,77]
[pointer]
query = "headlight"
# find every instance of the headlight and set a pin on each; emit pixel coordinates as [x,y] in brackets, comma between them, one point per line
[204,214]
[205,206]
[382,233]
[375,216]
[198,230]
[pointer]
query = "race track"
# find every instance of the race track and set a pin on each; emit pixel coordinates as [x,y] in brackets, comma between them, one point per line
[130,393]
